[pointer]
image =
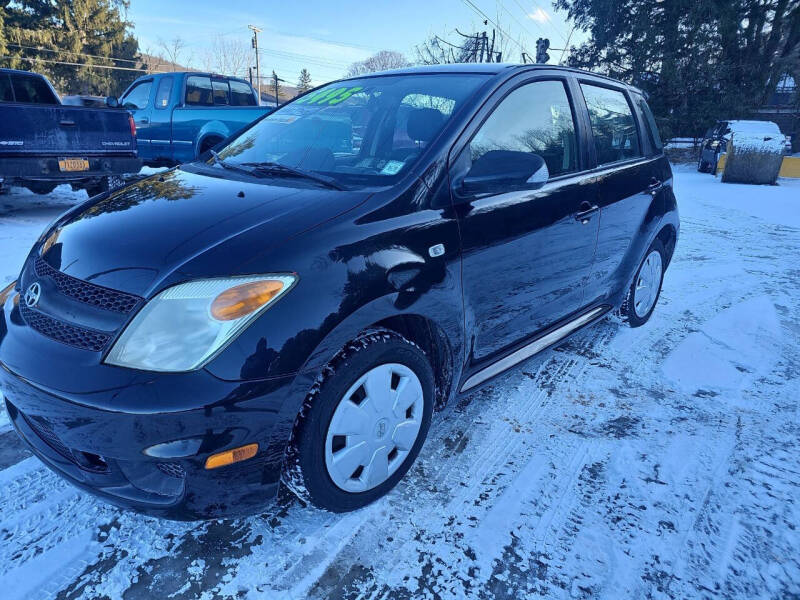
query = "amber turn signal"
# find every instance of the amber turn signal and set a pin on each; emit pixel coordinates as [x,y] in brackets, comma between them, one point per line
[231,456]
[241,300]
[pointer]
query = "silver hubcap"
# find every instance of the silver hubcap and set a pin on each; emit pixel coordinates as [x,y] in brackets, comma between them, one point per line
[374,427]
[648,283]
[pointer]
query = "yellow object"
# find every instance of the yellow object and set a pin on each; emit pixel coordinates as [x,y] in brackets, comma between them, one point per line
[231,456]
[721,163]
[241,300]
[790,167]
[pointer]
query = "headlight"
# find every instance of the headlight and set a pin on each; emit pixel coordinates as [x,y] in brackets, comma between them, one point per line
[185,326]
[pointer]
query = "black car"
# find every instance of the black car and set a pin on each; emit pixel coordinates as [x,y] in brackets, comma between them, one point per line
[296,306]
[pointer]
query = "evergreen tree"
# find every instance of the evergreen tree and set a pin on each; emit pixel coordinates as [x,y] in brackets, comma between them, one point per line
[698,60]
[41,35]
[304,82]
[2,33]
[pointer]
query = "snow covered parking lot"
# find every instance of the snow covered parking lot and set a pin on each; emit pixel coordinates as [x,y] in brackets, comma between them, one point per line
[660,462]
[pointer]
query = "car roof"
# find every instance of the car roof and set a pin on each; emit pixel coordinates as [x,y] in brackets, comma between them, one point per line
[20,72]
[493,69]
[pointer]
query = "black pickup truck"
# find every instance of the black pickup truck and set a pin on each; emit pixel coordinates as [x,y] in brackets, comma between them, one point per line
[44,143]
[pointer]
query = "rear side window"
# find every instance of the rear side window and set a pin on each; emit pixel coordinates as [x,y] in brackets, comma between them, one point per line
[220,92]
[613,125]
[198,91]
[242,94]
[535,118]
[649,123]
[139,96]
[6,95]
[163,93]
[32,90]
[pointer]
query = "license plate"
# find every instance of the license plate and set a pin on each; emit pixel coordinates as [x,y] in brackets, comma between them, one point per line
[73,164]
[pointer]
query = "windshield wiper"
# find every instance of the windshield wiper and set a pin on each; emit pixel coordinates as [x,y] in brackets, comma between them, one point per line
[226,165]
[280,169]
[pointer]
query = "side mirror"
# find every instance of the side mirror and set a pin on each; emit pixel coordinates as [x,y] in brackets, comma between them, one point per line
[112,102]
[500,171]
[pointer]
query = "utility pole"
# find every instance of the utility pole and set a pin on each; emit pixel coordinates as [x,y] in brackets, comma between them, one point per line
[256,31]
[276,79]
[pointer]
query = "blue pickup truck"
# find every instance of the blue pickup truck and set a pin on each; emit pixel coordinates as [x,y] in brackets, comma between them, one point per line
[181,115]
[44,143]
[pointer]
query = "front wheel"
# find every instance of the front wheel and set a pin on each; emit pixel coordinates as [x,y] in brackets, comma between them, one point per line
[366,425]
[646,287]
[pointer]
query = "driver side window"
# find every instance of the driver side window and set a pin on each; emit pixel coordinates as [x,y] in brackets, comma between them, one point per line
[536,119]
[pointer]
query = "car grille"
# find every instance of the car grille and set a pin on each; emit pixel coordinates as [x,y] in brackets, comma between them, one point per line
[77,337]
[85,292]
[49,437]
[172,470]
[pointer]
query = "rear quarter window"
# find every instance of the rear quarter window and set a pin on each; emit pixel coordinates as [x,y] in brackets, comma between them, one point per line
[163,93]
[649,123]
[242,94]
[30,89]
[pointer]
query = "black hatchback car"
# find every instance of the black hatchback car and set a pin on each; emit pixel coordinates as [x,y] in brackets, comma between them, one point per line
[296,306]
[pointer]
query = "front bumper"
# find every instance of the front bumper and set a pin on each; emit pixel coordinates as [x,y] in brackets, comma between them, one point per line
[102,450]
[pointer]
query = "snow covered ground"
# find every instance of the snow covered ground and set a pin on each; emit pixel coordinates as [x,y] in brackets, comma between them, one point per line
[660,462]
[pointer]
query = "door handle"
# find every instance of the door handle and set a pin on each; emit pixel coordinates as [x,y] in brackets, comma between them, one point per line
[144,120]
[655,186]
[67,123]
[585,212]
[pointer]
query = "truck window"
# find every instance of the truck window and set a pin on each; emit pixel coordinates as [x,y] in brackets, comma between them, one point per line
[198,91]
[6,95]
[31,89]
[242,94]
[613,126]
[220,92]
[163,92]
[138,97]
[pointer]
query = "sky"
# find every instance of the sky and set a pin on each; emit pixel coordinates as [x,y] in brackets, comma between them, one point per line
[325,37]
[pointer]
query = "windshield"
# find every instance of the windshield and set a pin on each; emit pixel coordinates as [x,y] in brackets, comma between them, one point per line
[359,131]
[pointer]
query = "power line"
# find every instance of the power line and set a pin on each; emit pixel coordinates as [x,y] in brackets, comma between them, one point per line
[485,16]
[43,49]
[323,62]
[74,64]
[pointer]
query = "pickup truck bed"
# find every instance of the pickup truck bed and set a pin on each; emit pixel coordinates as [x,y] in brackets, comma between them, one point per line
[46,144]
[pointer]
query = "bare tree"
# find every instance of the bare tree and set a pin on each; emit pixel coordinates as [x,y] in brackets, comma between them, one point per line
[480,47]
[382,61]
[173,50]
[227,57]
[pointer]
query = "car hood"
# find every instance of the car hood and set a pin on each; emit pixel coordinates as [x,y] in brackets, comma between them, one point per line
[139,236]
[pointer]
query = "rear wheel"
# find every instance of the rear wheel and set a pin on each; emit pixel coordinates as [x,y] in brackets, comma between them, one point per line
[365,427]
[702,166]
[207,144]
[646,287]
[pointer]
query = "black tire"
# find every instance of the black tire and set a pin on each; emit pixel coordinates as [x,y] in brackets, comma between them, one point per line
[306,473]
[41,187]
[702,166]
[627,310]
[207,144]
[713,169]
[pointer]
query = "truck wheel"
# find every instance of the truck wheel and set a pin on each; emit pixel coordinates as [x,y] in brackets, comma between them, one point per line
[207,144]
[363,429]
[104,185]
[702,166]
[646,287]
